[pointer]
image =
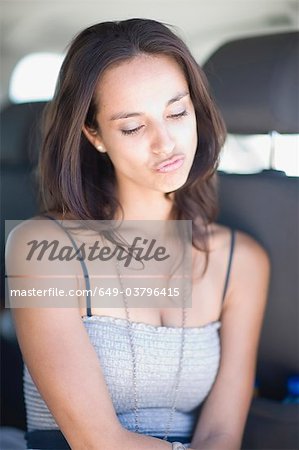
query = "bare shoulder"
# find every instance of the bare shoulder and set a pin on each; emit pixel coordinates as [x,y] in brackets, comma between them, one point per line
[246,248]
[36,236]
[250,254]
[35,227]
[251,264]
[38,228]
[41,269]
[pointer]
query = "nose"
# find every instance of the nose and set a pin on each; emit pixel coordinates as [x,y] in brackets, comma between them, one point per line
[162,142]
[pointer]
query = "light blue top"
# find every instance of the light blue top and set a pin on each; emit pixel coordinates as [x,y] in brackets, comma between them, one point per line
[157,352]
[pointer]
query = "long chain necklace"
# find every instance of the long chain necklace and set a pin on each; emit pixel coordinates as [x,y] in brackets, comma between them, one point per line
[134,360]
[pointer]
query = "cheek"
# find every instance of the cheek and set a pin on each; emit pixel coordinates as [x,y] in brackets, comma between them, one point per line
[193,130]
[127,154]
[187,135]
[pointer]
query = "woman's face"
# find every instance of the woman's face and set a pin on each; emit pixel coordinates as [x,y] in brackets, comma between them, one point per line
[147,123]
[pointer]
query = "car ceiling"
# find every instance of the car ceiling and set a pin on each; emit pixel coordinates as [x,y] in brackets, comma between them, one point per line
[43,25]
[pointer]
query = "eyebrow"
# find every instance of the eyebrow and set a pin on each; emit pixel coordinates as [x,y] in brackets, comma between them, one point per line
[127,115]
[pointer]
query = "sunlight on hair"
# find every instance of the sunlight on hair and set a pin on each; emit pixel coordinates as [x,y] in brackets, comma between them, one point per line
[34,77]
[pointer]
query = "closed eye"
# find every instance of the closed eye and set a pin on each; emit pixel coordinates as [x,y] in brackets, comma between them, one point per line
[137,129]
[132,131]
[179,115]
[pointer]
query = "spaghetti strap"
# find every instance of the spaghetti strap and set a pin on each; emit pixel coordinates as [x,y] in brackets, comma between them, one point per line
[83,265]
[232,245]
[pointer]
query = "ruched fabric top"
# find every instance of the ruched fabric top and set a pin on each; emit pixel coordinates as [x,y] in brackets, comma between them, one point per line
[157,352]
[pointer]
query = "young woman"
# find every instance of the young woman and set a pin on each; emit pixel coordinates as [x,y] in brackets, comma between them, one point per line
[132,134]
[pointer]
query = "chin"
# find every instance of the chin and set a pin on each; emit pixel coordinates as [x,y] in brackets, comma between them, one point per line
[174,185]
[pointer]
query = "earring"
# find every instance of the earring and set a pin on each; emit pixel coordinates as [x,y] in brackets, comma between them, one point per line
[100,148]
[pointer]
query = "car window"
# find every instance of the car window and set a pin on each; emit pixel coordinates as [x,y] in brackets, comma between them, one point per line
[34,77]
[251,154]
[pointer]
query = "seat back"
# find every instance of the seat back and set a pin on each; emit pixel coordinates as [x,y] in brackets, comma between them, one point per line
[265,205]
[255,84]
[20,142]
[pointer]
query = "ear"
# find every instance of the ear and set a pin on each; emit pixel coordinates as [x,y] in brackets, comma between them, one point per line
[93,137]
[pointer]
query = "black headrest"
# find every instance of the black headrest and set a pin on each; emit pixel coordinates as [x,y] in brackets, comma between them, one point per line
[255,82]
[20,136]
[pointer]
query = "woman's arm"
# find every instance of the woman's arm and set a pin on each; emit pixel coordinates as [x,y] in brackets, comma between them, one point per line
[63,363]
[222,420]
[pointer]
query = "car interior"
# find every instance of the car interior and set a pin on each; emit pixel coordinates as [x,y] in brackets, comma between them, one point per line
[254,80]
[265,205]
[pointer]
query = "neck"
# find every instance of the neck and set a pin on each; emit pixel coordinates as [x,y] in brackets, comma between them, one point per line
[148,205]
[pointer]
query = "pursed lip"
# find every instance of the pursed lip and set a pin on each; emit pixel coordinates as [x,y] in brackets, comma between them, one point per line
[169,162]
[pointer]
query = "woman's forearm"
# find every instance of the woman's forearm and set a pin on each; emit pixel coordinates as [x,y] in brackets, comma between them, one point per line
[135,441]
[124,440]
[217,442]
[117,439]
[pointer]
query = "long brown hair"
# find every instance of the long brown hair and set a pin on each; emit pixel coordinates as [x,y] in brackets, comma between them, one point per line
[77,179]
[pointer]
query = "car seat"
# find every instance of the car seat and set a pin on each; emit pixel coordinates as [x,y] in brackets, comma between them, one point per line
[255,84]
[20,140]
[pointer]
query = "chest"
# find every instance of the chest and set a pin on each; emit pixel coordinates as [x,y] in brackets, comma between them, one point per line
[203,300]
